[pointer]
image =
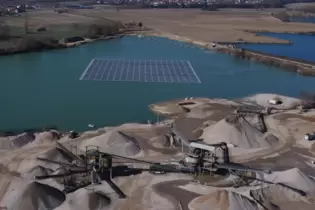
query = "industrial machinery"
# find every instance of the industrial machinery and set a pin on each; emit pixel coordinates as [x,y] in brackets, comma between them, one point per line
[309,136]
[209,151]
[82,170]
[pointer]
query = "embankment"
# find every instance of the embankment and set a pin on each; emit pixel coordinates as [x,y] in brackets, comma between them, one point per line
[39,42]
[29,44]
[294,65]
[272,31]
[27,130]
[83,40]
[301,67]
[36,45]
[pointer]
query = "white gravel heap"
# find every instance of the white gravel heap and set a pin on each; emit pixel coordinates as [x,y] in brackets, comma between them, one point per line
[114,142]
[223,200]
[294,178]
[35,196]
[237,131]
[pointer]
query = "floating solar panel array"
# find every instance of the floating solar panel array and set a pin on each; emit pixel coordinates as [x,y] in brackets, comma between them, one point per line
[169,71]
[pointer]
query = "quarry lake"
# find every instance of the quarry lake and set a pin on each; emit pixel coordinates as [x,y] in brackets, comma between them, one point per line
[303,46]
[43,89]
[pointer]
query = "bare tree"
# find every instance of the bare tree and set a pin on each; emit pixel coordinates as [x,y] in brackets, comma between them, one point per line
[26,23]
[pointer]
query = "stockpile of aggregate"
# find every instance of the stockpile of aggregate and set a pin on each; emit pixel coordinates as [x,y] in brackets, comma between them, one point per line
[83,199]
[293,178]
[223,200]
[236,130]
[35,196]
[115,142]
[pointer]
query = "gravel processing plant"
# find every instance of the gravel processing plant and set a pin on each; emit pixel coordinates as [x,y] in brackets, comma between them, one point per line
[222,154]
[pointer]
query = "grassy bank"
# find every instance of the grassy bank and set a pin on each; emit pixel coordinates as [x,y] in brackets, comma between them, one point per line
[42,30]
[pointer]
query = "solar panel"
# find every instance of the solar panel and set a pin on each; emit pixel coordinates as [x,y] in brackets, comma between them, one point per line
[169,71]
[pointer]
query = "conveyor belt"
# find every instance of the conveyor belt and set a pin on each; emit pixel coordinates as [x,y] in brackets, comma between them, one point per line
[156,164]
[70,153]
[128,158]
[68,189]
[239,167]
[116,188]
[61,175]
[59,163]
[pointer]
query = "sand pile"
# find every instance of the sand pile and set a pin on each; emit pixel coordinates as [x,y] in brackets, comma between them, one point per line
[256,121]
[237,131]
[47,137]
[57,155]
[262,100]
[83,199]
[202,111]
[294,178]
[278,196]
[168,109]
[115,142]
[23,139]
[223,200]
[5,143]
[35,196]
[37,171]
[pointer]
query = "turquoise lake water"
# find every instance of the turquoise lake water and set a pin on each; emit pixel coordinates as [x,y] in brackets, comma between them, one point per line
[303,46]
[41,89]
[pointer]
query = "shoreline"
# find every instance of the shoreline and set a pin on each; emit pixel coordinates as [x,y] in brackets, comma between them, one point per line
[166,109]
[60,45]
[302,67]
[54,44]
[305,68]
[87,40]
[312,33]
